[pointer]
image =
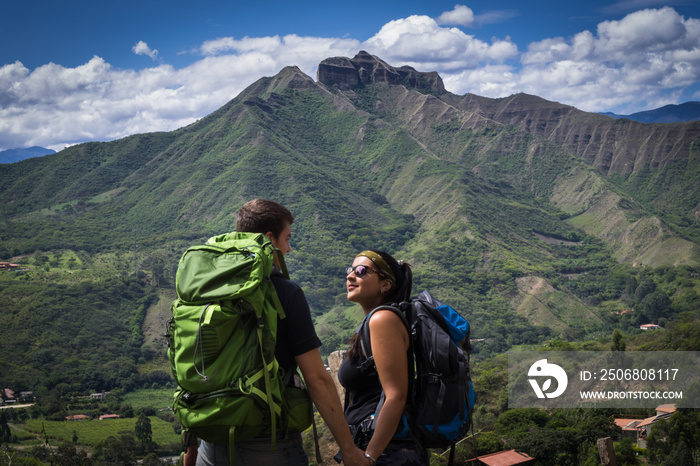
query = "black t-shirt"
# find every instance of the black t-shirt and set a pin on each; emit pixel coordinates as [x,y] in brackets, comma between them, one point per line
[296,334]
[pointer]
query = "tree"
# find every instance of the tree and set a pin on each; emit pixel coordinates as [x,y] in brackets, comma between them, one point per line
[126,410]
[618,343]
[5,432]
[39,258]
[548,444]
[685,428]
[68,454]
[594,426]
[686,302]
[680,456]
[624,452]
[521,419]
[116,450]
[143,432]
[658,446]
[646,286]
[630,288]
[655,303]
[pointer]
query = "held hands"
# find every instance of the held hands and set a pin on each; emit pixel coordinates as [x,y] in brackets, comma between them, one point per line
[355,457]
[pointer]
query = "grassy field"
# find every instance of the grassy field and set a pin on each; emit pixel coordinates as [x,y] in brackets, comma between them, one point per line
[154,398]
[92,432]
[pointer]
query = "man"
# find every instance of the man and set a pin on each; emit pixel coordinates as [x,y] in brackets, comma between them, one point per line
[297,344]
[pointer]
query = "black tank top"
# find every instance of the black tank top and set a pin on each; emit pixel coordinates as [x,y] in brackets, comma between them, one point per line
[362,387]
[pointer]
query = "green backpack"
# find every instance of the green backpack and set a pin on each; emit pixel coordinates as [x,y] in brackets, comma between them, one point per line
[221,343]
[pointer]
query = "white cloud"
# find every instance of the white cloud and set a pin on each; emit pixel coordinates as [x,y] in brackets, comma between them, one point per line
[461,15]
[624,6]
[420,42]
[644,60]
[646,31]
[142,48]
[487,81]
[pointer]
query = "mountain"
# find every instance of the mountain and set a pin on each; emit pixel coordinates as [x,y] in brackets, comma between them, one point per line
[15,155]
[688,111]
[534,219]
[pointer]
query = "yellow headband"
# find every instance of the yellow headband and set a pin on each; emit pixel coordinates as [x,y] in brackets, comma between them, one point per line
[381,265]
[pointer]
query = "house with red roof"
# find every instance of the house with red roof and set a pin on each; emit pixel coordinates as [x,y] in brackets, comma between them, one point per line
[644,427]
[628,426]
[7,396]
[502,458]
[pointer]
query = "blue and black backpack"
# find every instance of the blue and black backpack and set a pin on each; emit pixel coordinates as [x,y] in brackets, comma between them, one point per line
[441,394]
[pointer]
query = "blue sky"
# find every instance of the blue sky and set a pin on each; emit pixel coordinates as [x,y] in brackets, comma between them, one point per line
[82,70]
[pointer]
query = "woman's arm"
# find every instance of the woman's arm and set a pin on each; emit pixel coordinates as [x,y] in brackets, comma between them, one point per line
[389,340]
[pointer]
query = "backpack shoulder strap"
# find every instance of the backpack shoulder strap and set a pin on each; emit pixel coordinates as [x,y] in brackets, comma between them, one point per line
[364,327]
[273,297]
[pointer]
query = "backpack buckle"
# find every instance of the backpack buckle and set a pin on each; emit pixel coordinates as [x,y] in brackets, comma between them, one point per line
[187,398]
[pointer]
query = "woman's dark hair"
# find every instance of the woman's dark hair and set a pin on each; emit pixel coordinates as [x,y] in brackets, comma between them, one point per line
[401,292]
[404,279]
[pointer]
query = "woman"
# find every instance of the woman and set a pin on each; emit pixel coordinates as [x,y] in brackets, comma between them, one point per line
[375,279]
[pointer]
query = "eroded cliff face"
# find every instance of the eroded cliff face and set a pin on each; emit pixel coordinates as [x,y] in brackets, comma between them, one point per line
[612,146]
[367,69]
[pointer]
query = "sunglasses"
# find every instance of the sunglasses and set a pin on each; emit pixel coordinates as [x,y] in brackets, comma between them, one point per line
[360,270]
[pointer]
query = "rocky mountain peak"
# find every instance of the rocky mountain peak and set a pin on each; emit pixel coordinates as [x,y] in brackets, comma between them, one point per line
[365,68]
